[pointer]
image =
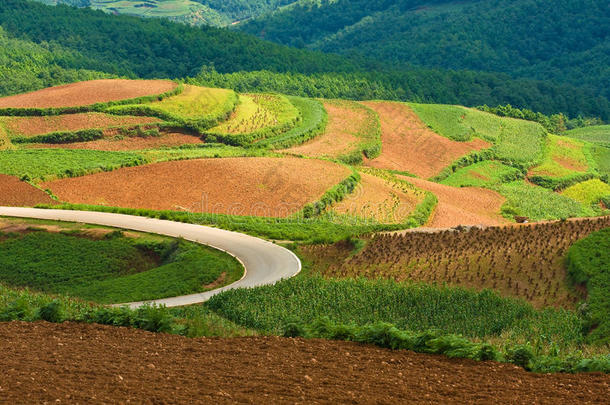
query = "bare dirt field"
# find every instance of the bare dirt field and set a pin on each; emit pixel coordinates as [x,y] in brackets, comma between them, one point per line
[30,126]
[84,363]
[16,193]
[462,206]
[378,199]
[340,136]
[274,187]
[87,93]
[409,145]
[127,143]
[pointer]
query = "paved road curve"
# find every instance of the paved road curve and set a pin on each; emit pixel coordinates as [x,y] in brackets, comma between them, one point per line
[265,262]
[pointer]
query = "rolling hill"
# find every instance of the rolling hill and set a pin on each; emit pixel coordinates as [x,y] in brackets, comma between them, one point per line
[157,48]
[566,40]
[194,12]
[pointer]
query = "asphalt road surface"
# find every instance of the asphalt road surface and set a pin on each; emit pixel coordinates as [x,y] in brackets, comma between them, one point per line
[264,262]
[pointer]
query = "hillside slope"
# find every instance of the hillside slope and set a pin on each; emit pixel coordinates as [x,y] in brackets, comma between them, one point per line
[194,12]
[563,40]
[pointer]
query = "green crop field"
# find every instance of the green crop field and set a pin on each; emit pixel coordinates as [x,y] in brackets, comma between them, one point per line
[588,192]
[266,113]
[110,270]
[563,157]
[483,174]
[598,134]
[537,203]
[46,164]
[196,108]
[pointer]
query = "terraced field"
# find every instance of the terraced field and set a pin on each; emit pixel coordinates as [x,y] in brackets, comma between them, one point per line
[31,126]
[268,187]
[408,145]
[340,183]
[350,125]
[88,93]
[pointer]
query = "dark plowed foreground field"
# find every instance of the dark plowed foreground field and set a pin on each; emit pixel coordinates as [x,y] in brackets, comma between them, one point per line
[84,363]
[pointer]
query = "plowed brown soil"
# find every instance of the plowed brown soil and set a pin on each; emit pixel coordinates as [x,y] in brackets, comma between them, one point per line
[87,93]
[378,199]
[340,136]
[237,186]
[16,193]
[409,145]
[128,143]
[462,206]
[83,363]
[30,126]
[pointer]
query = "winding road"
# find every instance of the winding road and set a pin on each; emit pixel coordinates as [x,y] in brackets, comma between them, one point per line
[264,262]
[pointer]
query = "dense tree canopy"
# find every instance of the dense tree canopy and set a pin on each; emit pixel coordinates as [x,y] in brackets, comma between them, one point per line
[564,40]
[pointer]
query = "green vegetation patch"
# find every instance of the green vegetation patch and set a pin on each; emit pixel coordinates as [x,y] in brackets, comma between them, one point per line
[563,157]
[196,108]
[369,134]
[313,122]
[598,134]
[588,263]
[116,269]
[515,141]
[588,192]
[416,307]
[601,156]
[46,164]
[537,203]
[256,117]
[483,174]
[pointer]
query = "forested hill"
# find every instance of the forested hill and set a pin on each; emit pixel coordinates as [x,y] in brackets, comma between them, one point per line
[80,42]
[195,12]
[564,40]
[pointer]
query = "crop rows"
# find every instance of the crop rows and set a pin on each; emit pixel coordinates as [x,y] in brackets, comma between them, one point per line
[519,261]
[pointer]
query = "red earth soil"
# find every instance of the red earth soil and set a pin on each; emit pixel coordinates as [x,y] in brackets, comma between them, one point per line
[274,187]
[462,206]
[127,143]
[16,193]
[409,145]
[87,93]
[340,136]
[87,363]
[29,126]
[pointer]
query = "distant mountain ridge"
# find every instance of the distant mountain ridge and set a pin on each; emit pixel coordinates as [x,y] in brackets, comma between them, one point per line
[563,40]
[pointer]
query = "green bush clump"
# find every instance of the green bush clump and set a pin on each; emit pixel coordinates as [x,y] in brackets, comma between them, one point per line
[588,263]
[387,335]
[84,135]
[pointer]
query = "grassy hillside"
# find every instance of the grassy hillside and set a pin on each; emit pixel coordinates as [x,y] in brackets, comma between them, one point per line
[111,268]
[526,38]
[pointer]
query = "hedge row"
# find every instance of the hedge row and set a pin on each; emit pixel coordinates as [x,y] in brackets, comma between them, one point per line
[558,184]
[435,342]
[38,112]
[84,135]
[334,195]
